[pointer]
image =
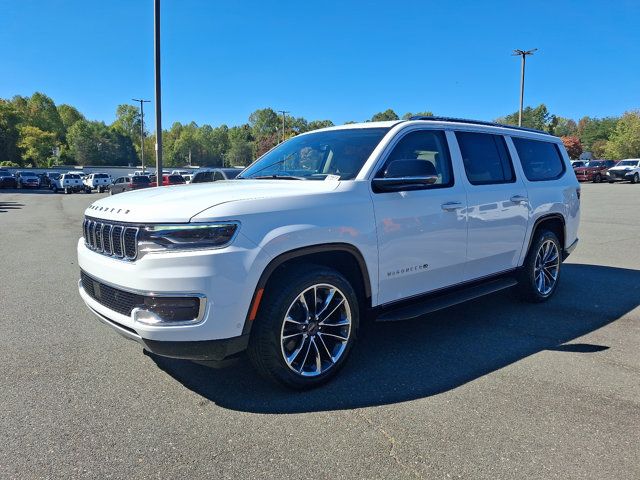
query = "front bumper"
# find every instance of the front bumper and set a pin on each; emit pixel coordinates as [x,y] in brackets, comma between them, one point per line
[206,350]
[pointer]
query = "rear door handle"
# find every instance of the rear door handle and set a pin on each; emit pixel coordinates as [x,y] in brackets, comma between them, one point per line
[451,206]
[518,199]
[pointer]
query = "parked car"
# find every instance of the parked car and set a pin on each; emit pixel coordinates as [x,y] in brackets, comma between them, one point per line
[7,180]
[625,170]
[97,181]
[179,172]
[167,179]
[68,183]
[125,184]
[215,174]
[27,179]
[389,220]
[594,170]
[577,163]
[47,179]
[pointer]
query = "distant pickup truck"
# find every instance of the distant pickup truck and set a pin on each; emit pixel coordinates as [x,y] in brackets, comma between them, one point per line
[97,181]
[67,182]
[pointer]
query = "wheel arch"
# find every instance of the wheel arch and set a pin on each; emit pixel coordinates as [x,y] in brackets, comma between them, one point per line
[344,257]
[554,222]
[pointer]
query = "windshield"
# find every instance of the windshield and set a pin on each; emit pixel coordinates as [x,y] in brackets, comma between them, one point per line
[594,164]
[314,156]
[72,176]
[630,163]
[101,175]
[140,179]
[27,174]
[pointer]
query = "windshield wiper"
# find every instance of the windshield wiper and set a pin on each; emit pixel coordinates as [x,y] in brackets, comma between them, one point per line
[275,177]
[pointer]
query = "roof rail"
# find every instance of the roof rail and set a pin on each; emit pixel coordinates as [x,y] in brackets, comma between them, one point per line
[476,122]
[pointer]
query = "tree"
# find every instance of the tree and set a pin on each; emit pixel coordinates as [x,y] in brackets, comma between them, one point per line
[93,143]
[388,114]
[41,112]
[316,124]
[538,118]
[408,115]
[37,145]
[565,127]
[127,120]
[9,134]
[240,146]
[625,139]
[573,146]
[69,115]
[598,148]
[590,130]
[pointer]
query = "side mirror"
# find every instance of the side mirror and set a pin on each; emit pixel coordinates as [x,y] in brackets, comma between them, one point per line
[409,174]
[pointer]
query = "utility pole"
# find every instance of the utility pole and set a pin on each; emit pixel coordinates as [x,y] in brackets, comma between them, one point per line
[523,54]
[156,41]
[142,102]
[284,114]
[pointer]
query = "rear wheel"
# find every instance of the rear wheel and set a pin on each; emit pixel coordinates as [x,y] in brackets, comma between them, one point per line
[539,276]
[305,328]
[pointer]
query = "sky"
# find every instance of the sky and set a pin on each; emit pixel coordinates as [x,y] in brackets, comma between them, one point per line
[339,60]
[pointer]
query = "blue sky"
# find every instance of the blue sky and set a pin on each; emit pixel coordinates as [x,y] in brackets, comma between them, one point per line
[339,60]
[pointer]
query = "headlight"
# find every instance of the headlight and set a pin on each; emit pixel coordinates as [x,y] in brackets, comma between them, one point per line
[186,236]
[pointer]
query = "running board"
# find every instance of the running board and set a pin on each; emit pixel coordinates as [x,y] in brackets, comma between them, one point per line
[444,300]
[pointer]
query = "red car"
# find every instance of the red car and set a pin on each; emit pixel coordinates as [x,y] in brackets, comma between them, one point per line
[594,171]
[167,180]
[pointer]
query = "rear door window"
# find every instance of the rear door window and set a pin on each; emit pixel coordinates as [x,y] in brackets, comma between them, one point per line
[486,159]
[540,160]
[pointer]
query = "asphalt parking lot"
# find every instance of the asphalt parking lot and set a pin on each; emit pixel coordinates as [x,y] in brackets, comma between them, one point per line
[491,389]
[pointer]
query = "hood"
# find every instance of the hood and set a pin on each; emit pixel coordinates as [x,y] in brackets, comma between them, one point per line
[622,167]
[179,203]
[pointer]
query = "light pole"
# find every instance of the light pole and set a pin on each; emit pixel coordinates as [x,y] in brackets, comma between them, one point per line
[284,114]
[142,102]
[523,54]
[158,95]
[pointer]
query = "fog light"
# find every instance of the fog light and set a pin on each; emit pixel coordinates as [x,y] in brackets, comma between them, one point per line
[167,310]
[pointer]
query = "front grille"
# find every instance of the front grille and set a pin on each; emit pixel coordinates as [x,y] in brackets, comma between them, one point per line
[112,298]
[111,239]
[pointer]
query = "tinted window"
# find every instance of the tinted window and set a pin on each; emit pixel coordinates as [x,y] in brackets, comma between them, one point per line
[218,176]
[101,175]
[176,179]
[428,146]
[486,159]
[232,173]
[203,177]
[139,179]
[540,160]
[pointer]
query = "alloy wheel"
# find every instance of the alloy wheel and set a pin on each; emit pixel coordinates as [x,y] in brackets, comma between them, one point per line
[547,267]
[316,330]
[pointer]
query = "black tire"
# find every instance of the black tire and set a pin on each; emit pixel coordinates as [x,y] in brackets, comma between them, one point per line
[527,287]
[100,189]
[266,348]
[55,189]
[635,178]
[597,178]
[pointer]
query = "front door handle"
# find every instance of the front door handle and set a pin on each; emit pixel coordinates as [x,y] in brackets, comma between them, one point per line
[451,206]
[518,199]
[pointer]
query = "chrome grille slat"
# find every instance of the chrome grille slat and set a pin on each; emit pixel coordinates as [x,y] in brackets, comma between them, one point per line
[111,239]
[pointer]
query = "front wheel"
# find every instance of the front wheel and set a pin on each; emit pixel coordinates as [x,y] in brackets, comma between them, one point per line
[540,273]
[305,328]
[597,178]
[635,178]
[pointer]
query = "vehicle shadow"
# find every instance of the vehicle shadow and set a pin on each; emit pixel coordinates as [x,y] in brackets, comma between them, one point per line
[6,206]
[37,191]
[396,362]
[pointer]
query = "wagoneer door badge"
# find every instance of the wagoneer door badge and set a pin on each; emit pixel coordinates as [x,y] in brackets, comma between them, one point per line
[407,270]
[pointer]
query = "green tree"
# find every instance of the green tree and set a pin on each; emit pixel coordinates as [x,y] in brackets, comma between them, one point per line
[388,114]
[408,115]
[37,145]
[240,146]
[590,130]
[538,118]
[565,127]
[41,112]
[317,124]
[9,134]
[625,139]
[69,115]
[127,120]
[93,143]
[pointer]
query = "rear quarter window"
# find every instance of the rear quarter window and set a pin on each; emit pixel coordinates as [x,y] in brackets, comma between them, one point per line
[540,160]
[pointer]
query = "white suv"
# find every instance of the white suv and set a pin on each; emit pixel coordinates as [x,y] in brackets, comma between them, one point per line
[389,220]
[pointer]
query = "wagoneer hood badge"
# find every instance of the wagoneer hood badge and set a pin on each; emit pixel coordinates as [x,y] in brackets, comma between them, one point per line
[180,203]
